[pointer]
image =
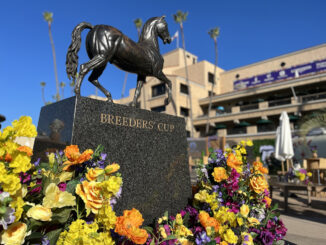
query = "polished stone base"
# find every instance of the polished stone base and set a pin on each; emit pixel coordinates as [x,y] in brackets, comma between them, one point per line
[150,147]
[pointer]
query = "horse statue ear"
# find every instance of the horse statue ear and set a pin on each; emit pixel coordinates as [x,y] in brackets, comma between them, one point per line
[163,17]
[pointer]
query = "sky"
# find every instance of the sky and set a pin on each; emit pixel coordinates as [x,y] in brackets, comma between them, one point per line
[250,31]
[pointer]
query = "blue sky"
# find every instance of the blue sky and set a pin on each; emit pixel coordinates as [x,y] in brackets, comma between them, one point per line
[251,31]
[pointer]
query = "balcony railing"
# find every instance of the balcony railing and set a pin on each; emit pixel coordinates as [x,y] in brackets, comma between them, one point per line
[310,97]
[273,103]
[249,107]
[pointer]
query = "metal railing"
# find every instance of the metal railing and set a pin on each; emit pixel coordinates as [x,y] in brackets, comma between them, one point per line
[249,107]
[273,103]
[310,97]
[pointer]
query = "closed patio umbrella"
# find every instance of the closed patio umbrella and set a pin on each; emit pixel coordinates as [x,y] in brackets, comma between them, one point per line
[284,146]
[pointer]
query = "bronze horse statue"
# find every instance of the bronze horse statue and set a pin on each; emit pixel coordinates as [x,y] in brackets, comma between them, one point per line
[107,44]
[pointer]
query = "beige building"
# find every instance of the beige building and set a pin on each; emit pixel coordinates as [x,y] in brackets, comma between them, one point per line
[200,76]
[251,98]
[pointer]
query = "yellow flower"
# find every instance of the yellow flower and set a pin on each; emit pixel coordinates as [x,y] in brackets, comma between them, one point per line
[162,232]
[51,158]
[233,161]
[230,237]
[184,241]
[90,192]
[20,163]
[258,167]
[258,184]
[15,234]
[54,198]
[223,243]
[11,184]
[39,212]
[244,210]
[249,143]
[111,186]
[309,174]
[246,239]
[253,221]
[112,168]
[17,203]
[24,127]
[240,221]
[65,176]
[268,201]
[219,174]
[106,216]
[178,219]
[93,173]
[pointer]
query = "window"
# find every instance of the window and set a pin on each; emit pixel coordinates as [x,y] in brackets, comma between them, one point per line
[211,77]
[158,90]
[184,111]
[194,60]
[158,108]
[184,88]
[188,133]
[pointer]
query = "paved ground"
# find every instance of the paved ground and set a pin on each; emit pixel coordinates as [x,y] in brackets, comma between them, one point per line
[306,225]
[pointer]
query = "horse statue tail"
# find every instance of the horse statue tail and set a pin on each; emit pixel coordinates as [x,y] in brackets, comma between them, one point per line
[72,54]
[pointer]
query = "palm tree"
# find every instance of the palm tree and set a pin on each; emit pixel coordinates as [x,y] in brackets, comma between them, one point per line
[48,17]
[213,33]
[179,18]
[62,86]
[43,86]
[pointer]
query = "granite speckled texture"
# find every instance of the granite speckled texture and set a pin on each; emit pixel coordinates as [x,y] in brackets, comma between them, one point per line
[150,147]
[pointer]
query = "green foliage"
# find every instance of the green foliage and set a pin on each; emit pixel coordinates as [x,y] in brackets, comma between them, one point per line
[53,236]
[71,186]
[214,33]
[259,143]
[180,16]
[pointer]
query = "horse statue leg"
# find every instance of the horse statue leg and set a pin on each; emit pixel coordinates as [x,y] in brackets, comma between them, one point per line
[93,78]
[140,82]
[95,62]
[168,83]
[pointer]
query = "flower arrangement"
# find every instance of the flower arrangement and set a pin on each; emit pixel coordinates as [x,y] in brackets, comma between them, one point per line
[70,200]
[298,174]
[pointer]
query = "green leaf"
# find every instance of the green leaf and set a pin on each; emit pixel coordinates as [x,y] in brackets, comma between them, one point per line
[166,214]
[211,243]
[61,215]
[34,224]
[35,237]
[186,219]
[71,186]
[53,236]
[148,229]
[275,207]
[171,237]
[280,242]
[152,242]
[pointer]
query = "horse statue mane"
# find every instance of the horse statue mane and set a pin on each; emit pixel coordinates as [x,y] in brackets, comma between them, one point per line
[107,44]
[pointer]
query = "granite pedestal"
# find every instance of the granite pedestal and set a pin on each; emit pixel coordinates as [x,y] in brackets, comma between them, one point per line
[150,147]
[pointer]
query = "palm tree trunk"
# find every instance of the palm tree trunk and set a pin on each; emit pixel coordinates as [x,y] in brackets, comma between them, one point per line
[43,97]
[187,80]
[55,64]
[124,85]
[212,91]
[143,92]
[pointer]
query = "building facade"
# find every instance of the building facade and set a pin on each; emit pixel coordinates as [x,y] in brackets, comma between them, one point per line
[252,97]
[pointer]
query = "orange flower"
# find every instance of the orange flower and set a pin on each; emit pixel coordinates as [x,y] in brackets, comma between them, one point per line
[112,168]
[74,156]
[258,166]
[91,195]
[128,225]
[258,183]
[93,173]
[207,221]
[268,201]
[26,149]
[219,174]
[8,157]
[233,161]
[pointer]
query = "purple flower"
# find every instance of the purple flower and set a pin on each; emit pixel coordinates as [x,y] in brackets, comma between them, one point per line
[266,237]
[7,213]
[25,177]
[37,162]
[62,186]
[202,238]
[45,241]
[37,189]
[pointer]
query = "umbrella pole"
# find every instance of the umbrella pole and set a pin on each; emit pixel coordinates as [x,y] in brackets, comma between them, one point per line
[282,167]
